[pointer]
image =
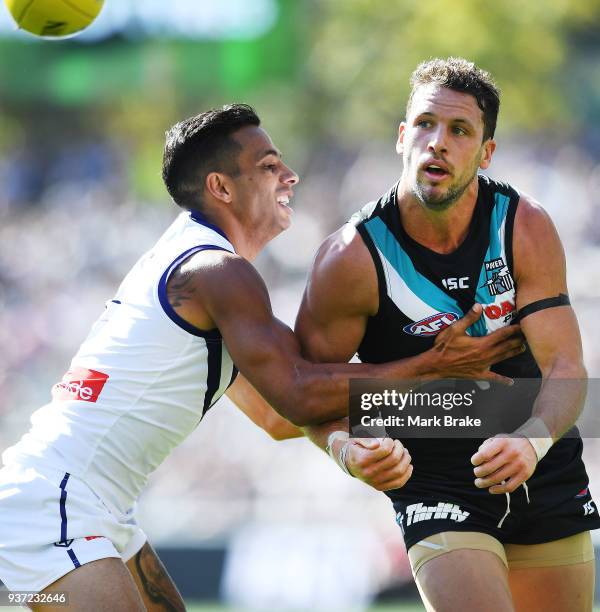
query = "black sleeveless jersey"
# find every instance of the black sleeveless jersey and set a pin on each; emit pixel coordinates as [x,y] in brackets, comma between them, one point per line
[421,292]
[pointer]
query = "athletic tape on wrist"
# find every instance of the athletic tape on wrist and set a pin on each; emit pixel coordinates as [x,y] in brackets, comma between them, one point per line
[537,433]
[340,459]
[332,437]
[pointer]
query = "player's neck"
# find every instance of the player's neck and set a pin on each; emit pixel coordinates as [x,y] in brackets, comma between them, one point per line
[442,231]
[245,245]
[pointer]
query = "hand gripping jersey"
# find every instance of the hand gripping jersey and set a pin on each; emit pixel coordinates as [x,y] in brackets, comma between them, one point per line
[140,382]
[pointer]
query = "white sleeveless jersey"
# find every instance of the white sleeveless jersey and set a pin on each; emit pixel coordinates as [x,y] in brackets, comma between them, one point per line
[139,384]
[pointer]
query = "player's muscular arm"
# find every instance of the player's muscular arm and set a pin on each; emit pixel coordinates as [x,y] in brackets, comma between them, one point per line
[553,333]
[554,338]
[220,289]
[340,295]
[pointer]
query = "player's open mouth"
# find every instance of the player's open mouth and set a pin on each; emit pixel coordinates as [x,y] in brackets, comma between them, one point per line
[434,171]
[285,202]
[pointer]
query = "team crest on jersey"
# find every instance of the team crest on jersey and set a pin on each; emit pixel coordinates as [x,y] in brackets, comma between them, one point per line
[498,278]
[432,325]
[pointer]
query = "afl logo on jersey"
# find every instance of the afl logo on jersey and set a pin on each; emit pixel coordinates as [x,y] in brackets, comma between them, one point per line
[431,325]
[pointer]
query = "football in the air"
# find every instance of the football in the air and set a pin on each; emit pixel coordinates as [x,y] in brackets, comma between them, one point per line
[54,18]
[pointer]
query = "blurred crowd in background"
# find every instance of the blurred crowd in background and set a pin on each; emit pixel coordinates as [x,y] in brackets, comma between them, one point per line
[81,130]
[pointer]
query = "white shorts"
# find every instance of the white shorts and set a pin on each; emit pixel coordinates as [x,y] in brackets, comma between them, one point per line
[51,523]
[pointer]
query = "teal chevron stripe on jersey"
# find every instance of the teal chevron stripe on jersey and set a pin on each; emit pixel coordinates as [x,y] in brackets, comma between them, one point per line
[496,248]
[422,288]
[494,251]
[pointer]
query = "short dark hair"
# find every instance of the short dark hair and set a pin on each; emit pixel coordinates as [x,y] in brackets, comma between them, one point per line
[202,144]
[461,75]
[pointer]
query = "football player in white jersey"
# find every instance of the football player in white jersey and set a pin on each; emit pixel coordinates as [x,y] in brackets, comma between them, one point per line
[161,354]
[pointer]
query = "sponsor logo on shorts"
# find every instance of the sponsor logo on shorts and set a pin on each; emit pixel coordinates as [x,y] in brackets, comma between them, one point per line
[418,512]
[432,325]
[582,493]
[80,384]
[588,508]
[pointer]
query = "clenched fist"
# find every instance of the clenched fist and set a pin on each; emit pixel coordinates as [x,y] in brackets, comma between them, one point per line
[504,463]
[382,464]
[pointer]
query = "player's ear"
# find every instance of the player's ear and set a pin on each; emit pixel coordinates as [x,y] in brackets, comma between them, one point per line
[218,186]
[489,146]
[400,141]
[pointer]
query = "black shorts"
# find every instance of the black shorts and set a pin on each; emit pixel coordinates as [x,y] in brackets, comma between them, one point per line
[440,496]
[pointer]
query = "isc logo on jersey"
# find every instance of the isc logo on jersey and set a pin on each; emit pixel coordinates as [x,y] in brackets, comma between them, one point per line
[431,325]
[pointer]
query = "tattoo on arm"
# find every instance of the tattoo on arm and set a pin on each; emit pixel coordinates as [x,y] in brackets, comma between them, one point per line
[156,582]
[180,289]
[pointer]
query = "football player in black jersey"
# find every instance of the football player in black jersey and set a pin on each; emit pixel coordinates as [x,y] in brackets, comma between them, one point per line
[504,525]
